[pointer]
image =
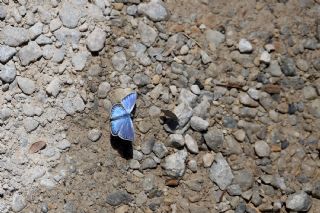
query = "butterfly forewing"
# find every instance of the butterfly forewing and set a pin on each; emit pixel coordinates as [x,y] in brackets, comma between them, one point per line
[117,111]
[129,101]
[126,131]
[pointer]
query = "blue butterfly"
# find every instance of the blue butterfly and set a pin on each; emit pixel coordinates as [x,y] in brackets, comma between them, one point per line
[121,123]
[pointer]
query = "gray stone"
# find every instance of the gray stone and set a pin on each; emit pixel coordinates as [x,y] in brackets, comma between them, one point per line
[29,53]
[205,58]
[94,135]
[30,124]
[118,197]
[299,201]
[199,124]
[148,35]
[245,46]
[262,149]
[239,135]
[94,13]
[5,113]
[134,164]
[3,12]
[316,189]
[147,145]
[160,150]
[65,36]
[184,113]
[54,87]
[207,159]
[191,144]
[6,53]
[274,69]
[73,104]
[43,40]
[31,110]
[247,101]
[314,108]
[302,65]
[141,79]
[14,36]
[192,165]
[26,85]
[187,97]
[96,39]
[148,163]
[35,30]
[234,190]
[58,55]
[288,66]
[18,203]
[220,172]
[244,178]
[55,24]
[214,139]
[70,14]
[309,92]
[47,52]
[154,10]
[214,37]
[79,60]
[254,94]
[174,164]
[265,57]
[119,61]
[132,10]
[103,89]
[176,140]
[8,73]
[195,89]
[63,144]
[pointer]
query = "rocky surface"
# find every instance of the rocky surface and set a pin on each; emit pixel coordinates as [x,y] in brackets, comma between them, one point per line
[226,120]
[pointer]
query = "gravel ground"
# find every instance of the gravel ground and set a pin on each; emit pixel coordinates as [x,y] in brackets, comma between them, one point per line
[227,117]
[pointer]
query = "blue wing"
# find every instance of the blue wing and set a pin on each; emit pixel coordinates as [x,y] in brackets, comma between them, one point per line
[129,101]
[117,111]
[126,131]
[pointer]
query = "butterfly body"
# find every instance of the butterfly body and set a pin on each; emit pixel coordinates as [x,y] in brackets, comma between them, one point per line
[121,123]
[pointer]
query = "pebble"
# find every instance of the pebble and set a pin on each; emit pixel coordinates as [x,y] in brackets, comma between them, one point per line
[254,94]
[214,139]
[314,108]
[302,65]
[119,61]
[176,140]
[160,150]
[66,36]
[174,164]
[79,60]
[220,172]
[30,124]
[274,69]
[154,10]
[118,197]
[141,79]
[96,40]
[148,35]
[70,14]
[6,53]
[148,163]
[55,24]
[309,92]
[299,201]
[103,89]
[198,124]
[35,30]
[8,73]
[3,12]
[207,159]
[288,67]
[191,144]
[239,135]
[63,144]
[147,145]
[18,203]
[26,85]
[247,101]
[132,10]
[14,36]
[186,96]
[192,165]
[195,89]
[262,148]
[29,53]
[54,87]
[245,46]
[265,57]
[94,135]
[214,37]
[184,113]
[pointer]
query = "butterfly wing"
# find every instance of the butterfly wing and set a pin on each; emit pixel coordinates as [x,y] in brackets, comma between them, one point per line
[126,131]
[117,115]
[129,101]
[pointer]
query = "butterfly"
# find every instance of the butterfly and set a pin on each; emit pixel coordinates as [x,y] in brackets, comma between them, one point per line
[121,123]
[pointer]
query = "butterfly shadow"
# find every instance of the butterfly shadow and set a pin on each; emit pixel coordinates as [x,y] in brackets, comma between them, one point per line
[123,147]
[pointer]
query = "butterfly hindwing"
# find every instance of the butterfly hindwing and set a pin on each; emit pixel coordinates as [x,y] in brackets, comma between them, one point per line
[126,131]
[129,101]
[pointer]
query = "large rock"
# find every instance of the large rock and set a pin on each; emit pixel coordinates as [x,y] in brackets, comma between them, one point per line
[6,53]
[174,164]
[299,202]
[96,39]
[154,10]
[29,53]
[14,36]
[8,73]
[220,172]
